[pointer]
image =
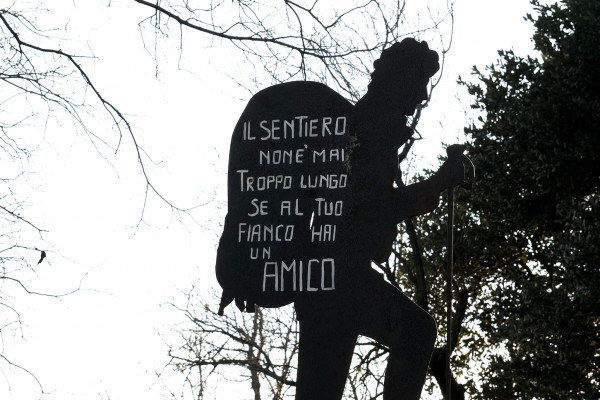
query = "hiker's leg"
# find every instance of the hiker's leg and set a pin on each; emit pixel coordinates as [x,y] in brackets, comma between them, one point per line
[410,334]
[324,359]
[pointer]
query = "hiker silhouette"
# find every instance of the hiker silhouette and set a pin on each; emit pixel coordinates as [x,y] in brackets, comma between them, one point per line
[313,201]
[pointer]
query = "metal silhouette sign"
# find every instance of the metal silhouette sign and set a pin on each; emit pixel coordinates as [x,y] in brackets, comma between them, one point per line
[312,202]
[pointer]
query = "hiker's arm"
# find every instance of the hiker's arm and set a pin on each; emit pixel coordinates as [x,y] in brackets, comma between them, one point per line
[423,197]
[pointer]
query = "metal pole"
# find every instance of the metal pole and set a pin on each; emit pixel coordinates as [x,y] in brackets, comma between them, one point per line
[449,250]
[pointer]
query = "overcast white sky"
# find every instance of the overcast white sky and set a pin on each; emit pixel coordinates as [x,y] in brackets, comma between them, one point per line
[107,340]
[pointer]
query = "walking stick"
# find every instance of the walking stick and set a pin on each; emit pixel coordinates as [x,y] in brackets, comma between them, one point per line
[468,179]
[449,264]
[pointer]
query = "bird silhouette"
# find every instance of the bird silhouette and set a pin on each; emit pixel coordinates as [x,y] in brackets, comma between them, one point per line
[42,256]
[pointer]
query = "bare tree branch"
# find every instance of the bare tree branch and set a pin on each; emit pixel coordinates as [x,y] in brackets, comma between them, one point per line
[264,344]
[312,41]
[36,78]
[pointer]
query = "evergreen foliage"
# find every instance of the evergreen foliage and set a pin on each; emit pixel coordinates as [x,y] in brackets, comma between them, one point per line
[532,238]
